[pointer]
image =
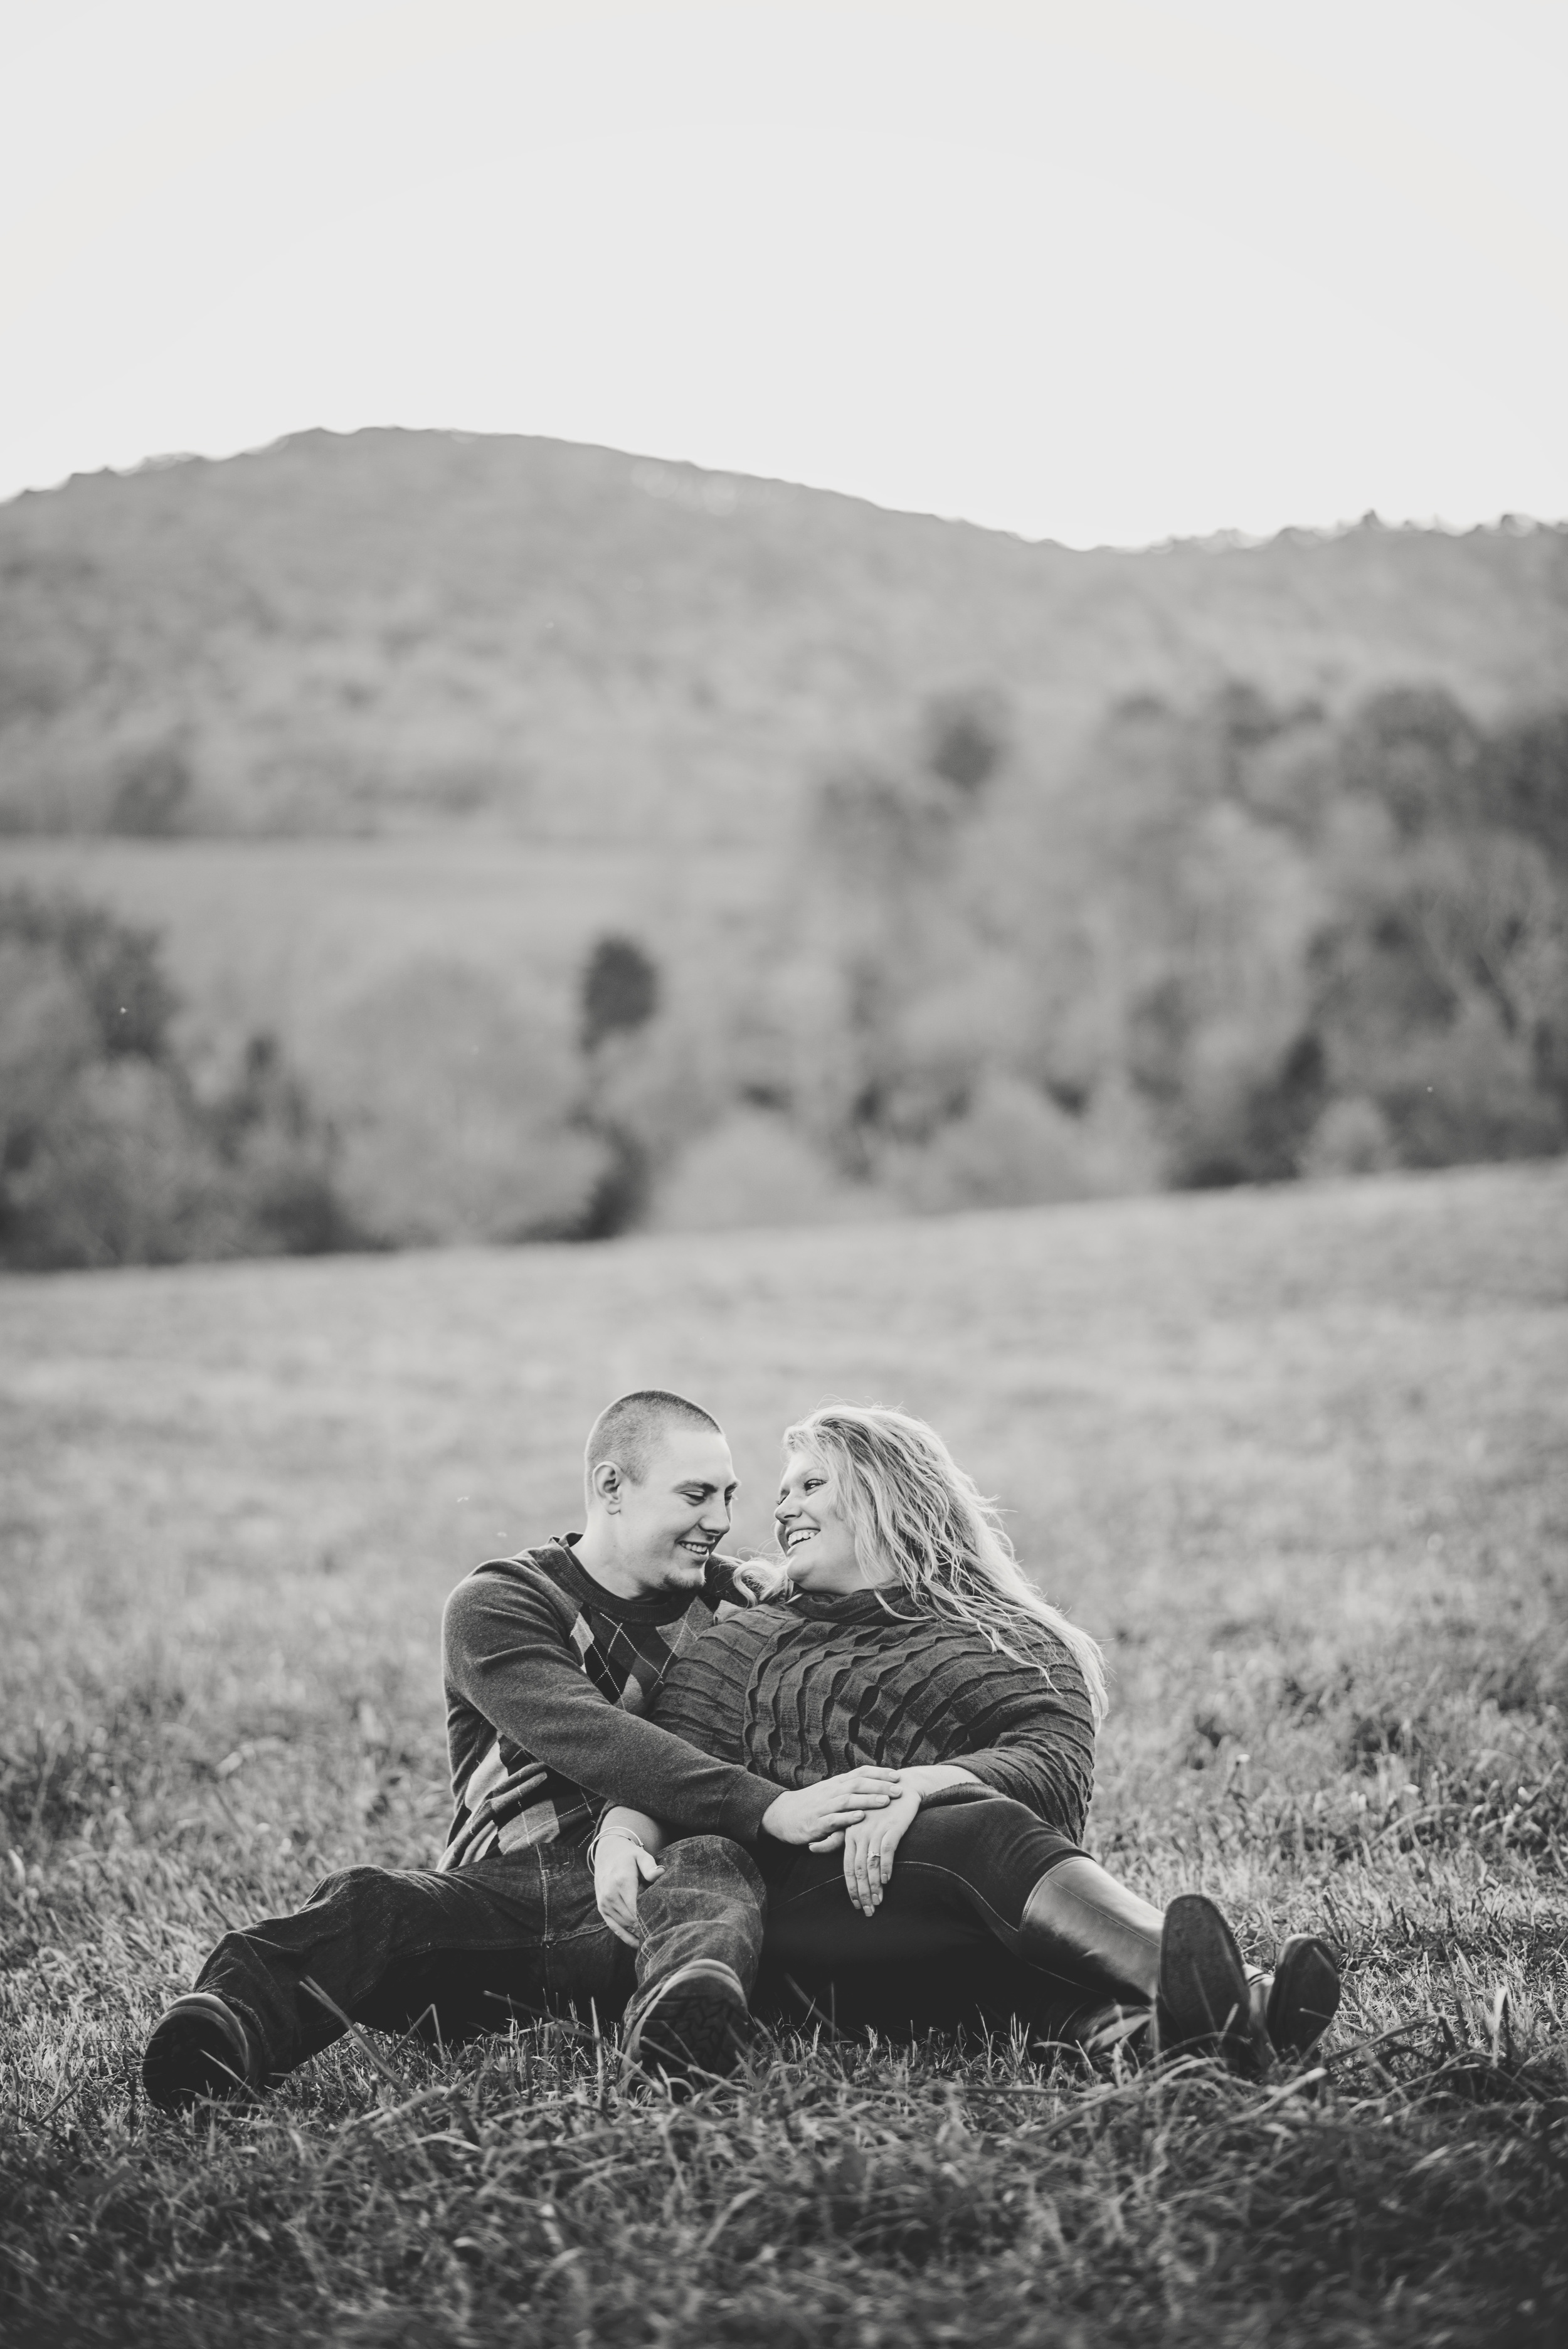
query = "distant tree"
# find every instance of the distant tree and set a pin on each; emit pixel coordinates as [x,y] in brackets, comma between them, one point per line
[621,1194]
[115,966]
[1442,972]
[1260,1132]
[620,999]
[151,799]
[454,1101]
[108,1155]
[620,992]
[1526,779]
[965,738]
[1414,749]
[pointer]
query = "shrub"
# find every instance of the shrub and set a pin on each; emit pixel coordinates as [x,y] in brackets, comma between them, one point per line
[754,1168]
[108,1155]
[620,990]
[457,1112]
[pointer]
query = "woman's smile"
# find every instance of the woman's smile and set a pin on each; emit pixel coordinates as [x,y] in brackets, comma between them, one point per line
[812,1532]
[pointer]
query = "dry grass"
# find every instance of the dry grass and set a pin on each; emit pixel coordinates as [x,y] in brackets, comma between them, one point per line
[1299,1457]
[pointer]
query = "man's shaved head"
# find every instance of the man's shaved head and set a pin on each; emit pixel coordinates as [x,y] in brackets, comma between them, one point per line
[631,1430]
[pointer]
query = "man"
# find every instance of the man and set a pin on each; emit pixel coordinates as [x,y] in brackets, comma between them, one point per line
[551,1660]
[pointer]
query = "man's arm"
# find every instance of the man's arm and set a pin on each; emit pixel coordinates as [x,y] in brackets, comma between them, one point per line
[506,1651]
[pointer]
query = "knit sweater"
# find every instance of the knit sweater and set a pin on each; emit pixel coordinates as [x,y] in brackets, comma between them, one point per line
[798,1692]
[547,1673]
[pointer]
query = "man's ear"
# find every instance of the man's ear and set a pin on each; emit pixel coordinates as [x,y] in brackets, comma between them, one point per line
[606,1484]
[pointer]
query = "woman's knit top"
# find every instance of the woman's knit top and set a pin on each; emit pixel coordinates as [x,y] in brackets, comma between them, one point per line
[800,1693]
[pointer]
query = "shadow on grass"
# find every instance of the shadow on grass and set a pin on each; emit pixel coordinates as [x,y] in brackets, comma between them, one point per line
[516,2193]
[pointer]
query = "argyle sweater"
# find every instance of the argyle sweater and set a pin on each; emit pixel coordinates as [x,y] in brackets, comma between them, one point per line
[548,1676]
[800,1693]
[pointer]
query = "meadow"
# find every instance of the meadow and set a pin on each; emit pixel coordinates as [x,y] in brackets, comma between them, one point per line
[1298,1457]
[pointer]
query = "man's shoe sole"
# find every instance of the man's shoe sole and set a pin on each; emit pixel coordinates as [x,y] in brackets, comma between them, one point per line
[199,2051]
[1203,2005]
[1305,1995]
[696,2022]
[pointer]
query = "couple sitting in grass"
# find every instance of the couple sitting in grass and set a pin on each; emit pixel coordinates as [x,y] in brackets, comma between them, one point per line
[690,1792]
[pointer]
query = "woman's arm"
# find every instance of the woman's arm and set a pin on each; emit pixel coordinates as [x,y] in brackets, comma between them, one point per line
[1045,1763]
[1036,1740]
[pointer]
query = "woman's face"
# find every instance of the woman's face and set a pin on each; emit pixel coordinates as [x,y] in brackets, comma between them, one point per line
[816,1541]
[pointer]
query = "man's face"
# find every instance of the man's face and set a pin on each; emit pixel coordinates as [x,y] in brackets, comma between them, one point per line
[679,1514]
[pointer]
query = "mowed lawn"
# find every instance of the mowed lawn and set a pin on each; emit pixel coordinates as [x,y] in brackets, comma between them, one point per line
[1299,1458]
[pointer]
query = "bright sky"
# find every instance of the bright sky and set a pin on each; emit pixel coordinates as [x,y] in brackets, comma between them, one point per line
[1095,270]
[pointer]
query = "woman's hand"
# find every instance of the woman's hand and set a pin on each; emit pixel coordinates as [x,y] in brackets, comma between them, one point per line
[810,1813]
[620,1867]
[759,1580]
[869,1850]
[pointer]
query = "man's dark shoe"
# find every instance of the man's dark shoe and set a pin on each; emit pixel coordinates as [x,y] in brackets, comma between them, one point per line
[1305,1995]
[1203,2007]
[199,2050]
[695,2020]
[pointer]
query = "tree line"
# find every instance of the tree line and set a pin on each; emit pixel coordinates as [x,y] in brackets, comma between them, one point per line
[1240,942]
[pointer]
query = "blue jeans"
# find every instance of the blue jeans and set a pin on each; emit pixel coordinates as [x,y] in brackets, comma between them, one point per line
[516,1935]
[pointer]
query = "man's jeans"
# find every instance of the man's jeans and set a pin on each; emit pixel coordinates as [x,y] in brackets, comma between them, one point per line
[943,1951]
[515,1935]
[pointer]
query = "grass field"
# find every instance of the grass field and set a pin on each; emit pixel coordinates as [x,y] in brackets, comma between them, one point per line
[1300,1457]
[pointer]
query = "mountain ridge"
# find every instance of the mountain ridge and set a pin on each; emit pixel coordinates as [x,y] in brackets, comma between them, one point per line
[392,630]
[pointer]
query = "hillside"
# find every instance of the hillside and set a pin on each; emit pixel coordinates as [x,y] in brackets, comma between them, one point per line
[419,629]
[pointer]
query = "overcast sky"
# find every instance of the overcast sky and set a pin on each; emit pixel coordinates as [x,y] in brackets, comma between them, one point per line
[1098,272]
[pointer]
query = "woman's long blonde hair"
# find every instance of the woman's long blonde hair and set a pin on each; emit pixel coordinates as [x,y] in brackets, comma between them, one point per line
[908,1505]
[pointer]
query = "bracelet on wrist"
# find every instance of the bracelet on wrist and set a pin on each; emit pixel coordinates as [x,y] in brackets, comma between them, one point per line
[599,1834]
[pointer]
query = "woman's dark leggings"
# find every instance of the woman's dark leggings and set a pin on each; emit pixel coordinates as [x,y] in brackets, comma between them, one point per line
[942,1951]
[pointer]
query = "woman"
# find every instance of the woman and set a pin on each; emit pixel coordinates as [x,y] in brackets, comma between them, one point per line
[915,1640]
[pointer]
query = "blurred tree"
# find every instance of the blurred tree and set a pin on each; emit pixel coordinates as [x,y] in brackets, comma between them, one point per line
[620,992]
[455,1105]
[107,1154]
[620,1000]
[1442,972]
[152,796]
[965,738]
[1526,780]
[1417,754]
[115,966]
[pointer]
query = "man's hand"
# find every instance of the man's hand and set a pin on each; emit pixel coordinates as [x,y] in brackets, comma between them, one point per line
[809,1814]
[619,1869]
